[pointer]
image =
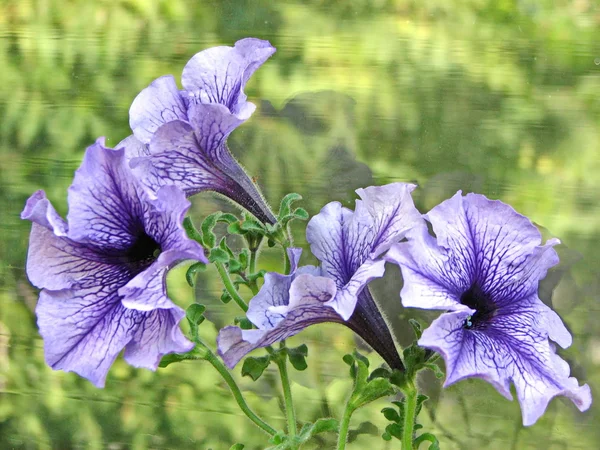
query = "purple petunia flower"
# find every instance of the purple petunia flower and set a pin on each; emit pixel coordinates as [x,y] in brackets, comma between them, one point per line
[349,246]
[179,137]
[102,272]
[484,267]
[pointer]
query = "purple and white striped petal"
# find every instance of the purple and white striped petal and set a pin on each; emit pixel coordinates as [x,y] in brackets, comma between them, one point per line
[159,103]
[484,265]
[348,243]
[514,348]
[119,237]
[219,74]
[301,305]
[181,136]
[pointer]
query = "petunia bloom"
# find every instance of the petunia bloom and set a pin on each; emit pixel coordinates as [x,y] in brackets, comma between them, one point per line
[483,266]
[349,246]
[102,272]
[179,137]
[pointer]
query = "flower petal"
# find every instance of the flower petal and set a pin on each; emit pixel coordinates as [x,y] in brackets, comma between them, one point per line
[177,157]
[327,234]
[106,203]
[157,335]
[433,277]
[56,262]
[39,210]
[493,244]
[156,105]
[219,74]
[307,297]
[345,301]
[274,292]
[388,212]
[134,148]
[84,330]
[513,348]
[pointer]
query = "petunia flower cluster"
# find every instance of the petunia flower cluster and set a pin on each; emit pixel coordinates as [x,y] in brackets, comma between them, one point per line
[102,271]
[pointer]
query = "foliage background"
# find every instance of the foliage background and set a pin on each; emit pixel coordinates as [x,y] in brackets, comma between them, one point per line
[499,97]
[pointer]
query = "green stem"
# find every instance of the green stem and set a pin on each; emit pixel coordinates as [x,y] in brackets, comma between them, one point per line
[410,409]
[287,395]
[345,426]
[231,290]
[287,267]
[252,264]
[237,393]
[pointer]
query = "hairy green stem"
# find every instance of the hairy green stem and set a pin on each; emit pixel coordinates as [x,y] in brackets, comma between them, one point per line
[410,409]
[345,426]
[235,390]
[287,395]
[231,290]
[252,264]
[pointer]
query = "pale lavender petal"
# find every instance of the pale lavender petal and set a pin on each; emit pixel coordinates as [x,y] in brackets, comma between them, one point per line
[134,148]
[157,335]
[327,234]
[106,203]
[219,74]
[38,209]
[493,244]
[156,105]
[513,347]
[275,291]
[307,306]
[345,301]
[59,263]
[164,223]
[147,291]
[84,330]
[389,214]
[434,278]
[176,156]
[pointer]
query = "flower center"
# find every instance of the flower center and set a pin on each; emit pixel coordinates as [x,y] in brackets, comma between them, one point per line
[144,250]
[475,298]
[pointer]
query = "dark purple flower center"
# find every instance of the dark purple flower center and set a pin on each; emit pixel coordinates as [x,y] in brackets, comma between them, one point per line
[485,308]
[144,250]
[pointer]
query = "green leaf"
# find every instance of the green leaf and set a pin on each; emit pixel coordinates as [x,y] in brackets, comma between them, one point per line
[271,243]
[363,428]
[416,326]
[228,218]
[225,297]
[218,255]
[380,372]
[252,225]
[298,356]
[435,369]
[195,353]
[243,322]
[391,414]
[244,257]
[191,231]
[234,266]
[190,275]
[207,226]
[195,314]
[348,359]
[237,447]
[286,202]
[395,430]
[254,367]
[320,426]
[235,228]
[301,214]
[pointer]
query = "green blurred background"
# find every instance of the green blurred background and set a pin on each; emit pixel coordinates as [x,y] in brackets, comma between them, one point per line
[500,97]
